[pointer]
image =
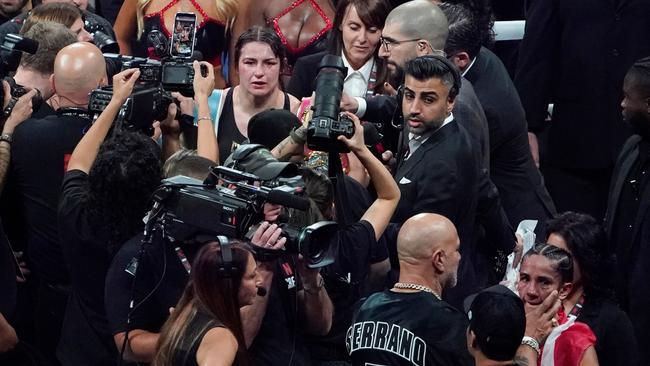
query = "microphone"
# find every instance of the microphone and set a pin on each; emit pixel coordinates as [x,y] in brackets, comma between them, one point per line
[287,199]
[261,291]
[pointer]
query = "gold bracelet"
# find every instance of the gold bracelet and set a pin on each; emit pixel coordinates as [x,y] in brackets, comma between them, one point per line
[203,118]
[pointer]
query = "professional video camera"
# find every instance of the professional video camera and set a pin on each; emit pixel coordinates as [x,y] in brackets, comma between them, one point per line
[102,40]
[11,51]
[327,124]
[187,208]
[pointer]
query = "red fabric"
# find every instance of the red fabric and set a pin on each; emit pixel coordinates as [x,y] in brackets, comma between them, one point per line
[571,344]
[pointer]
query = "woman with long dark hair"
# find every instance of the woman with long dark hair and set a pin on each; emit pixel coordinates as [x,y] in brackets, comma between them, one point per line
[205,327]
[355,36]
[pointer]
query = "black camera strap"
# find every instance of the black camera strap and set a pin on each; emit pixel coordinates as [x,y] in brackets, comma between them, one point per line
[335,172]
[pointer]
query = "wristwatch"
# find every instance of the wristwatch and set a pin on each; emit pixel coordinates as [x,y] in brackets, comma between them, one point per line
[6,137]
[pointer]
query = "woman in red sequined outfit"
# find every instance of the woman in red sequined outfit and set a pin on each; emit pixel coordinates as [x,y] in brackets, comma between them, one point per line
[141,20]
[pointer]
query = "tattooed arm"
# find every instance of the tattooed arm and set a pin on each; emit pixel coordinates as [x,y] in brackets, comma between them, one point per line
[292,145]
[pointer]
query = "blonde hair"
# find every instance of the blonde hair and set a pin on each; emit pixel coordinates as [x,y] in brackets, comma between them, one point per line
[226,12]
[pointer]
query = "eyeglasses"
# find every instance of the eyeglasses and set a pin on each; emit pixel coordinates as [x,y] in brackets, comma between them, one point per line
[388,42]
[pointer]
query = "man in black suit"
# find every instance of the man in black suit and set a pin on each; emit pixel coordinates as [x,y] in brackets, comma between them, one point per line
[441,169]
[413,29]
[574,54]
[628,210]
[512,169]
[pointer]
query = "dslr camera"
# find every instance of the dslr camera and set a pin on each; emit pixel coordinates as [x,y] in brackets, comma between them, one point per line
[327,123]
[102,40]
[11,52]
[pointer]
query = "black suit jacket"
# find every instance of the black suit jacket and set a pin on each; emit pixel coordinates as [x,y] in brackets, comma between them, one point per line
[633,258]
[303,78]
[512,168]
[575,55]
[444,176]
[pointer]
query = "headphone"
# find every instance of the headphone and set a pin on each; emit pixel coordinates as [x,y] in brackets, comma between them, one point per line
[226,269]
[455,73]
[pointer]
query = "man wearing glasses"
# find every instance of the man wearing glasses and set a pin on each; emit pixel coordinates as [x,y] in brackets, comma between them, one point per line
[414,29]
[417,28]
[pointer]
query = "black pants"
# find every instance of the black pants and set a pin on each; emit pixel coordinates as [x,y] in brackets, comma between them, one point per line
[578,190]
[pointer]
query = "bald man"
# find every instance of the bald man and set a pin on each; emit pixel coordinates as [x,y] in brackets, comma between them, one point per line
[78,69]
[417,28]
[40,150]
[410,324]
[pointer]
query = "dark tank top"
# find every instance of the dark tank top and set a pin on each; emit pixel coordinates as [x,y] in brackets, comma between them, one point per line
[185,354]
[228,134]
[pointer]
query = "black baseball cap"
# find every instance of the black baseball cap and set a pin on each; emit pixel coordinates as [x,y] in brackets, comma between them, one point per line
[257,160]
[498,320]
[271,126]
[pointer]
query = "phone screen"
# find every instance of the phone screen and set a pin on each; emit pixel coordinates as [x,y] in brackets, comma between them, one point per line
[182,42]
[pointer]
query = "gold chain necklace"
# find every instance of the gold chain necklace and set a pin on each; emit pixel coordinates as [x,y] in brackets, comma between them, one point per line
[413,286]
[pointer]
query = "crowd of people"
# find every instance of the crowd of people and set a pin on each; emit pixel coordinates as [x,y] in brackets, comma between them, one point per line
[483,208]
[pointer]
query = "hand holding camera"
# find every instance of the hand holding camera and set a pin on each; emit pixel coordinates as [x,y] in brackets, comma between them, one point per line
[21,110]
[268,236]
[356,143]
[203,85]
[123,83]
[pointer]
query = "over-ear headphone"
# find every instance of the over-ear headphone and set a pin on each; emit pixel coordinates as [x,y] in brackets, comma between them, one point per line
[226,269]
[455,73]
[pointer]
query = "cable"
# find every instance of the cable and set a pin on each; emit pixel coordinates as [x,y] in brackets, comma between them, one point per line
[136,306]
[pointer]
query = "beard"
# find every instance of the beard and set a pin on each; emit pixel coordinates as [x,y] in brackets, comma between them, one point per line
[424,126]
[396,75]
[640,125]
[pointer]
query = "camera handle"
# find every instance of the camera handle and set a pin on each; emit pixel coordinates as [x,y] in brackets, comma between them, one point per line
[336,175]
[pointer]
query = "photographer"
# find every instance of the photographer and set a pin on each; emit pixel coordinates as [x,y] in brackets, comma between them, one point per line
[36,70]
[106,191]
[146,320]
[355,247]
[51,8]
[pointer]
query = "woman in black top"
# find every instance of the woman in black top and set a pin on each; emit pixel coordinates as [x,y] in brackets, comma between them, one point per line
[258,57]
[205,328]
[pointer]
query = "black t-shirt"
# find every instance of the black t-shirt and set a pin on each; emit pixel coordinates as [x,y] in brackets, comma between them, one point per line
[280,340]
[39,156]
[85,337]
[408,329]
[160,263]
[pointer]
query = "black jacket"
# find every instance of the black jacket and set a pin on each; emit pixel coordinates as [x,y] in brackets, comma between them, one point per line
[575,54]
[444,176]
[633,257]
[512,169]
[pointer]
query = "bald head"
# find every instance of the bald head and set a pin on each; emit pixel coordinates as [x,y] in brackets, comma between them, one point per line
[422,235]
[78,69]
[421,19]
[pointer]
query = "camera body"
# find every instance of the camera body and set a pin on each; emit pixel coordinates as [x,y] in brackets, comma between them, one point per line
[146,104]
[102,40]
[11,51]
[173,75]
[327,124]
[190,208]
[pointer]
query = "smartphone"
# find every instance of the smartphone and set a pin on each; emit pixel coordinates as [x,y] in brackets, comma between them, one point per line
[184,32]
